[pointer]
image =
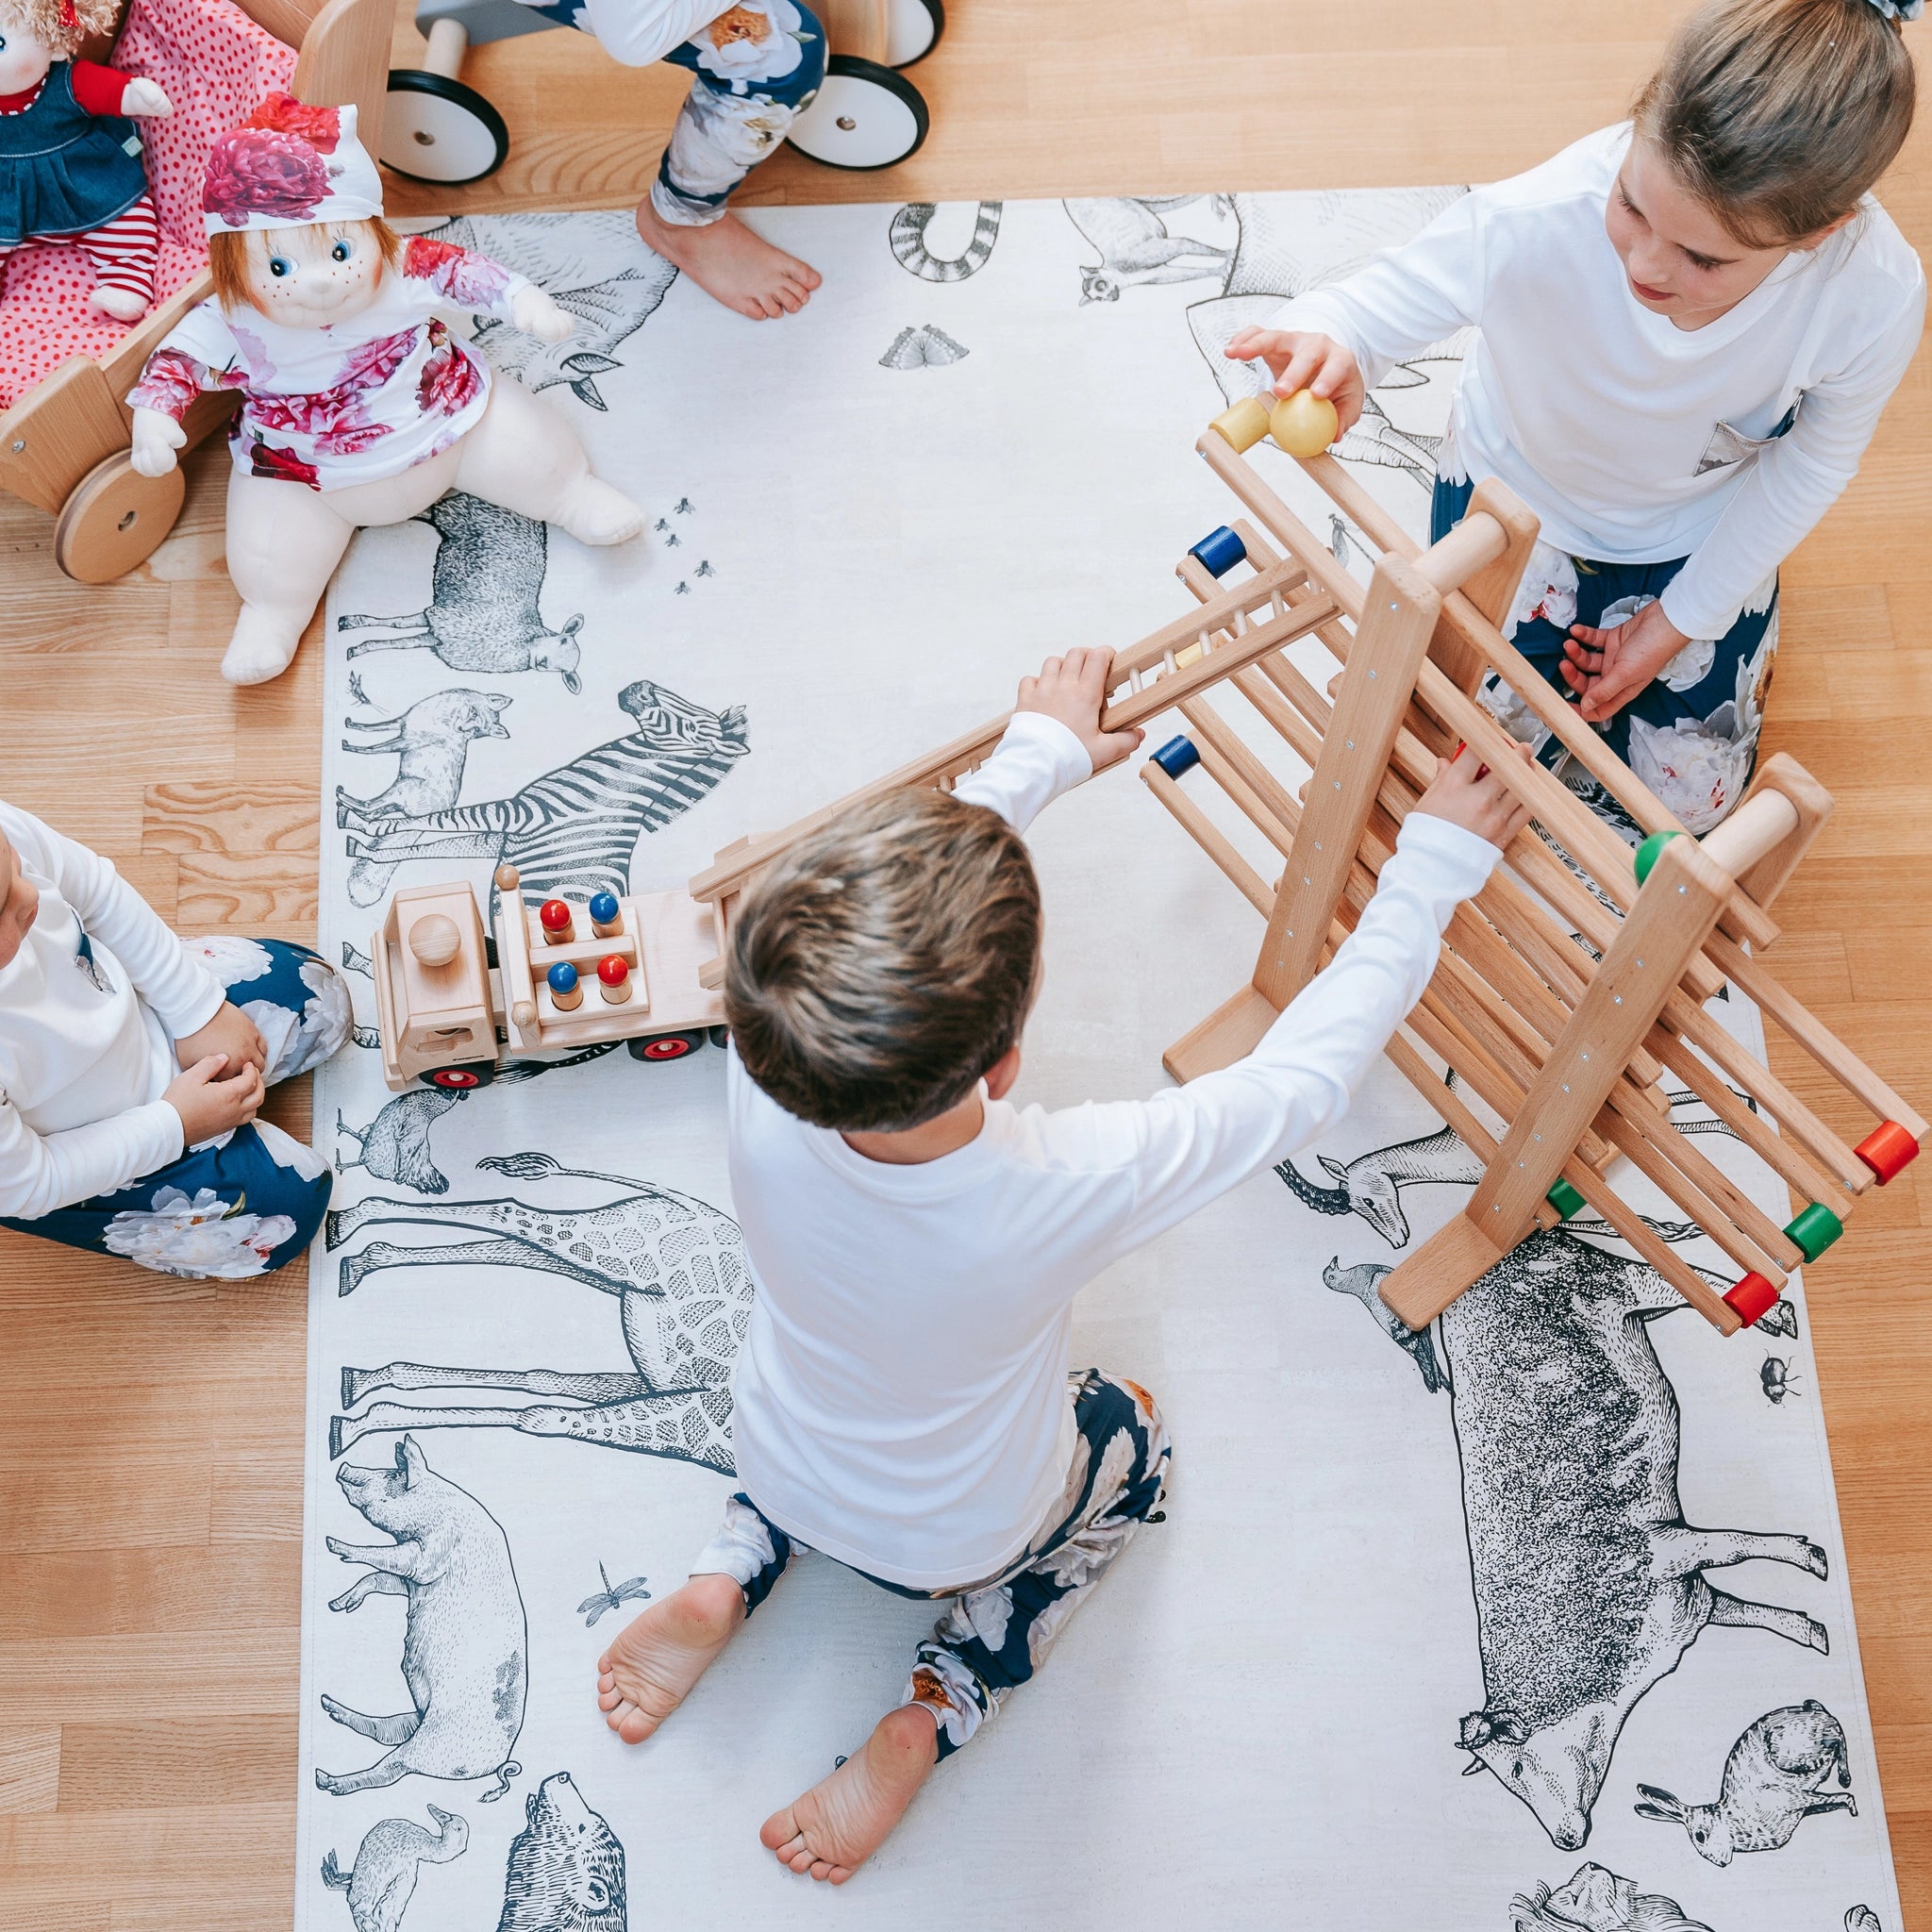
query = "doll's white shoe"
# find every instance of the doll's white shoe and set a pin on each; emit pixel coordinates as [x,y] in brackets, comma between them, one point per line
[124,304]
[263,647]
[594,512]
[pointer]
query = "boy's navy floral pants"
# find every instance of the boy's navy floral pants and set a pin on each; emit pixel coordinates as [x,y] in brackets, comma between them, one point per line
[995,1634]
[759,65]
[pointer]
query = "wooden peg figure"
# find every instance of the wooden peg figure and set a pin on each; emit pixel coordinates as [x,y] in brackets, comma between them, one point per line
[566,995]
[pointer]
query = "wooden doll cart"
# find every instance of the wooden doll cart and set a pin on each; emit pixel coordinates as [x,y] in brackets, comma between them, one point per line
[64,444]
[867,115]
[1562,1003]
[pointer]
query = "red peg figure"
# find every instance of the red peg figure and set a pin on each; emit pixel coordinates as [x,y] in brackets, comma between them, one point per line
[613,979]
[1886,1149]
[559,929]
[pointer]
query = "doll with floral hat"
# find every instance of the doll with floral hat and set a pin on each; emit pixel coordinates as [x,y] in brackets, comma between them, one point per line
[69,159]
[358,404]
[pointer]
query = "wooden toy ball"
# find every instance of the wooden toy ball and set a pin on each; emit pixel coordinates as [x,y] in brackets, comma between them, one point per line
[435,941]
[508,877]
[613,979]
[605,915]
[559,929]
[565,994]
[1303,423]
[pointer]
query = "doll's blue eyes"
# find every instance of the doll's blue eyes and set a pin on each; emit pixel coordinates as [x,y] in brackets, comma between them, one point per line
[340,252]
[279,265]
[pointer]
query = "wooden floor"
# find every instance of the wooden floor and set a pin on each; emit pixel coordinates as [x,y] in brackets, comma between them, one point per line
[150,1432]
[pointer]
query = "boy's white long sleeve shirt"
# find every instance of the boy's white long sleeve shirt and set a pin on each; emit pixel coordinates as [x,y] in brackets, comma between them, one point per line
[639,32]
[901,1398]
[1632,440]
[87,1048]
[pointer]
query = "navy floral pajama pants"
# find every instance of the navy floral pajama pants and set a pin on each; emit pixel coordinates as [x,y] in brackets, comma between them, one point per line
[995,1634]
[250,1201]
[758,67]
[1691,733]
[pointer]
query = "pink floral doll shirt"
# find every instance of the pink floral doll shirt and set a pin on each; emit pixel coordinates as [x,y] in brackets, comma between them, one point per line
[348,403]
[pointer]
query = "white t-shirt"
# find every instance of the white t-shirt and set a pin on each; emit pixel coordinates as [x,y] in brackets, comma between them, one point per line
[87,1048]
[901,1398]
[1632,440]
[638,32]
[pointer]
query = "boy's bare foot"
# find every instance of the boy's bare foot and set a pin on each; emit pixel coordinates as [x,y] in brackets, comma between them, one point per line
[731,263]
[655,1659]
[845,1818]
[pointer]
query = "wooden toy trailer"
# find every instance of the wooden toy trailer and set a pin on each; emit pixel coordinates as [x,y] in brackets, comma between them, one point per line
[1567,1047]
[450,1002]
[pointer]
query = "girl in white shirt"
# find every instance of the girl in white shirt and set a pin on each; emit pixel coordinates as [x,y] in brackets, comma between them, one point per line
[1685,327]
[131,1066]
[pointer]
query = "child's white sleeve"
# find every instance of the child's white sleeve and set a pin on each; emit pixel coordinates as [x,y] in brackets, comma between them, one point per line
[179,989]
[1793,481]
[1036,760]
[1406,298]
[39,1172]
[641,32]
[1194,1143]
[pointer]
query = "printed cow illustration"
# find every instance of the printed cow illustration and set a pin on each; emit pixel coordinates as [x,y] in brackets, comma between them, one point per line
[570,258]
[675,1266]
[1590,1586]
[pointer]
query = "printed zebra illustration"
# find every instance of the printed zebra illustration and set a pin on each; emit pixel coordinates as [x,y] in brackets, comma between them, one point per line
[573,831]
[908,238]
[674,1264]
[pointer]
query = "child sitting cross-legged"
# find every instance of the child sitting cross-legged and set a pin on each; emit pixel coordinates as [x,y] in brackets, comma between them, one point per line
[904,1400]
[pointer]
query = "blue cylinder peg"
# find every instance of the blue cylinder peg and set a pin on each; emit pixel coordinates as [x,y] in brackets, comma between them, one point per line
[605,916]
[1176,757]
[564,991]
[1219,551]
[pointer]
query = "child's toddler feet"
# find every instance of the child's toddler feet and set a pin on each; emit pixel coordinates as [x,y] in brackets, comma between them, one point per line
[732,264]
[845,1818]
[650,1668]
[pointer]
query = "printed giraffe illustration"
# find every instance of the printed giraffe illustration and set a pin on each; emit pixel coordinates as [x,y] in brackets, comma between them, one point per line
[676,1265]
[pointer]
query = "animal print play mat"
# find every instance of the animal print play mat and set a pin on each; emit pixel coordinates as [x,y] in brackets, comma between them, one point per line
[1419,1645]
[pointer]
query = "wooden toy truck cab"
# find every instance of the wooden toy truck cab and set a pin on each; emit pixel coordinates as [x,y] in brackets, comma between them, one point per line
[450,1001]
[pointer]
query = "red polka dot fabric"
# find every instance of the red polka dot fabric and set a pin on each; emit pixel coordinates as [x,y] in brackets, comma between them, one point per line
[214,64]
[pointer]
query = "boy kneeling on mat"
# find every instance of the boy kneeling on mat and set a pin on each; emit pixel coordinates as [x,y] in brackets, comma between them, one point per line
[902,1399]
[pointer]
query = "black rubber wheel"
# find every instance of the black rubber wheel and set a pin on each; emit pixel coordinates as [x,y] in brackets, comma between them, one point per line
[721,1036]
[439,130]
[490,958]
[864,117]
[666,1046]
[914,28]
[461,1080]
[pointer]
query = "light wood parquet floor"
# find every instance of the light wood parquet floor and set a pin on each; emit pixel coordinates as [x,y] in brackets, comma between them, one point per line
[150,1431]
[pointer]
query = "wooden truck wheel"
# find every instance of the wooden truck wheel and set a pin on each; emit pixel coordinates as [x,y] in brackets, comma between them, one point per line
[462,1079]
[863,117]
[115,519]
[913,29]
[666,1046]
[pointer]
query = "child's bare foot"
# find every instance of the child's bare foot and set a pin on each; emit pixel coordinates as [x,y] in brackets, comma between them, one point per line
[731,263]
[845,1818]
[655,1659]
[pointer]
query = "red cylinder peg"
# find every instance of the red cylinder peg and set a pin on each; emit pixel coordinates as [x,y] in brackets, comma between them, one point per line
[613,979]
[1752,1298]
[559,929]
[1887,1149]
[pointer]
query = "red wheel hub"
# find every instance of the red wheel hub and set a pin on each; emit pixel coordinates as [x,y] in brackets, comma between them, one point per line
[455,1077]
[672,1049]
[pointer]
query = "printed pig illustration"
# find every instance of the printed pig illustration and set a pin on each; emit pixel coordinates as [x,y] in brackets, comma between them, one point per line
[465,1646]
[566,1867]
[1590,1586]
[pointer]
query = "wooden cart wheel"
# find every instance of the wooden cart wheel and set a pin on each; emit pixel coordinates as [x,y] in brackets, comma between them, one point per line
[914,29]
[461,1080]
[864,116]
[115,519]
[665,1046]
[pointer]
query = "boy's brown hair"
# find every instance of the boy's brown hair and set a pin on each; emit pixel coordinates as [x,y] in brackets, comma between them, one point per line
[228,254]
[882,965]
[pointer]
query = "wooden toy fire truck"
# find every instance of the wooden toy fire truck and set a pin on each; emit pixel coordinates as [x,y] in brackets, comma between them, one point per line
[452,1002]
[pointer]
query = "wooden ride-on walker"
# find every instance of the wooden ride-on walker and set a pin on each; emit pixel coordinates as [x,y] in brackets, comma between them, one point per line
[1569,1052]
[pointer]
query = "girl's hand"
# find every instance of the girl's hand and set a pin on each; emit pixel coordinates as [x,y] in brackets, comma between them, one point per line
[1607,668]
[142,96]
[1468,793]
[1074,689]
[230,1033]
[157,437]
[212,1102]
[536,314]
[1300,360]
